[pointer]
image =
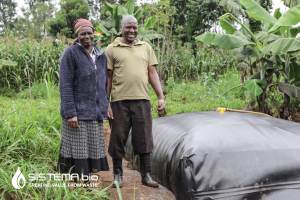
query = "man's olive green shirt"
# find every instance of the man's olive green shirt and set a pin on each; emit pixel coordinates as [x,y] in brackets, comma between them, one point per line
[130,66]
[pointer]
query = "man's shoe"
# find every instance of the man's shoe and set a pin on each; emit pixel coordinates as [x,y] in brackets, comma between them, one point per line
[118,172]
[145,170]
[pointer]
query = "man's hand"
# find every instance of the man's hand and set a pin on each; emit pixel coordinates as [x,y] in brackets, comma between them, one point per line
[161,105]
[110,113]
[73,122]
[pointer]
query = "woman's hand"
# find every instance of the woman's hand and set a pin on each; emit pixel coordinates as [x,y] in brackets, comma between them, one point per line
[73,122]
[110,113]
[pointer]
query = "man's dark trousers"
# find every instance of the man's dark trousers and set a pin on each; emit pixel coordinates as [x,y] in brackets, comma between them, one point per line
[135,114]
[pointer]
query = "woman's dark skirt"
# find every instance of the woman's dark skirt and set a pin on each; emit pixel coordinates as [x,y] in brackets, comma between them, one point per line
[82,150]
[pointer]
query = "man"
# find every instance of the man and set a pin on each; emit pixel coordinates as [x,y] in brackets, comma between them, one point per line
[131,63]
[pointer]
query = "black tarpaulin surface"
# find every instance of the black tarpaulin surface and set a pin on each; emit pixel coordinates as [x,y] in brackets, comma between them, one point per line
[232,156]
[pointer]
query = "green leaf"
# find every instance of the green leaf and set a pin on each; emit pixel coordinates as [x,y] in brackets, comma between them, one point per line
[242,65]
[251,50]
[2,46]
[291,3]
[101,29]
[282,46]
[277,13]
[138,14]
[294,32]
[108,24]
[8,63]
[109,6]
[265,26]
[257,12]
[122,11]
[116,18]
[233,6]
[227,26]
[290,90]
[289,18]
[131,7]
[151,21]
[294,71]
[249,105]
[225,16]
[253,87]
[262,35]
[222,41]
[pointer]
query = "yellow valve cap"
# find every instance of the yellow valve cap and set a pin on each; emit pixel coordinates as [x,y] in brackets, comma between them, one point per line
[222,110]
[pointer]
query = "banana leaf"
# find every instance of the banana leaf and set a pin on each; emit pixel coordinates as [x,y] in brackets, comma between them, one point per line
[290,90]
[109,6]
[8,63]
[227,26]
[122,11]
[234,7]
[282,46]
[108,24]
[138,14]
[251,50]
[116,18]
[277,13]
[291,3]
[294,31]
[294,71]
[289,18]
[131,4]
[262,35]
[253,87]
[257,12]
[223,41]
[101,29]
[151,21]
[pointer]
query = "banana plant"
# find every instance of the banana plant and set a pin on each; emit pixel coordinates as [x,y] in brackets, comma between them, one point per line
[6,62]
[111,28]
[274,41]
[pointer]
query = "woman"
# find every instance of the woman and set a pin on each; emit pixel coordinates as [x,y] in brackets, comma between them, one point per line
[84,103]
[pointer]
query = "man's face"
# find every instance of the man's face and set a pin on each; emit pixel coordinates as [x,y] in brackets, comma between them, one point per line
[129,30]
[85,36]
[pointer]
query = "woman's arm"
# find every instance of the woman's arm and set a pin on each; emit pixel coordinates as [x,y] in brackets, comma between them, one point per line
[66,77]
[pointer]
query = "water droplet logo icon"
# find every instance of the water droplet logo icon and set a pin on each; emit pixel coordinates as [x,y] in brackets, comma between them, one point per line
[17,178]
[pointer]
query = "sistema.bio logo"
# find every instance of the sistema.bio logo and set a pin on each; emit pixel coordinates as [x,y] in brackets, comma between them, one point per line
[16,180]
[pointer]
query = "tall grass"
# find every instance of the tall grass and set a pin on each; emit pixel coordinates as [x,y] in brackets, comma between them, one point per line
[30,139]
[40,58]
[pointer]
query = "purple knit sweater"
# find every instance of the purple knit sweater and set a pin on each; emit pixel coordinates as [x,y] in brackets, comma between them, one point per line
[82,87]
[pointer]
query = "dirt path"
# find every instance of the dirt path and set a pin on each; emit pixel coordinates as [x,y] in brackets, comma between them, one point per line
[131,178]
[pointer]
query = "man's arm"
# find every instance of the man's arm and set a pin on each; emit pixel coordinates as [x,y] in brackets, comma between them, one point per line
[109,85]
[154,81]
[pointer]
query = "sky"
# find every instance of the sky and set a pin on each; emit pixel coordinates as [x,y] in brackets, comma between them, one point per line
[276,4]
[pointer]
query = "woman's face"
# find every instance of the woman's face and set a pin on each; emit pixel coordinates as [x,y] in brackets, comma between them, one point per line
[85,36]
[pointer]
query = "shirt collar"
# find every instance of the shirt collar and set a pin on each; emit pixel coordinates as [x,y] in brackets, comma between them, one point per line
[93,50]
[117,42]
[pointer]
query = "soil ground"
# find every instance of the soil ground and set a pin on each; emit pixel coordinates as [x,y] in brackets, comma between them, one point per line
[131,179]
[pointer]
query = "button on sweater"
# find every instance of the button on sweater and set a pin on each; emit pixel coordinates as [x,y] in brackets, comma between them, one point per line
[83,84]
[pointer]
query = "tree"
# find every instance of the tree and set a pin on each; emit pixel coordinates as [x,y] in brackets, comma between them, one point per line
[195,16]
[7,15]
[33,24]
[274,48]
[71,10]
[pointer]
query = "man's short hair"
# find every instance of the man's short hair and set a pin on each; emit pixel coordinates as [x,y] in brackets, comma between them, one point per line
[128,17]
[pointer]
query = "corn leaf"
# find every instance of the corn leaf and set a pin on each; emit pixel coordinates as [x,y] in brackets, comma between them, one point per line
[2,47]
[282,46]
[8,63]
[223,41]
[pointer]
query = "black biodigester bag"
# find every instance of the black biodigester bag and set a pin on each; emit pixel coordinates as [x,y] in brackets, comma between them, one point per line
[231,156]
